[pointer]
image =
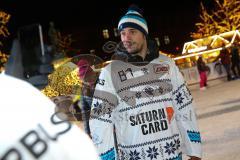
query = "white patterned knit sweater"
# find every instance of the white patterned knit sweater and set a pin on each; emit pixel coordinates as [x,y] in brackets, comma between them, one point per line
[151,109]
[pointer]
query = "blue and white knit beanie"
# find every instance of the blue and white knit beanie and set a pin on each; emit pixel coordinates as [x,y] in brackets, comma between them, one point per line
[134,19]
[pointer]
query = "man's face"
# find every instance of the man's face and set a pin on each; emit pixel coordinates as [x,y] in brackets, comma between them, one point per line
[133,40]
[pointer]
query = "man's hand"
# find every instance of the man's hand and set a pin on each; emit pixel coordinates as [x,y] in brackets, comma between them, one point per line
[194,158]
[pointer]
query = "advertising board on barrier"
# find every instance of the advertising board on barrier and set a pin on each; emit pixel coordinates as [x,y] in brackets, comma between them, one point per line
[215,71]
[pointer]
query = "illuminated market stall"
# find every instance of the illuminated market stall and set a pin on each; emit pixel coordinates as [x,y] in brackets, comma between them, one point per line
[209,48]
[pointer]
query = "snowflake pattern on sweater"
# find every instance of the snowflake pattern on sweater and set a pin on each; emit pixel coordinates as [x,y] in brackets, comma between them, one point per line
[152,111]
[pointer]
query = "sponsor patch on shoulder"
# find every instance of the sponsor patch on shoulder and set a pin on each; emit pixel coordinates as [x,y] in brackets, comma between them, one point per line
[161,68]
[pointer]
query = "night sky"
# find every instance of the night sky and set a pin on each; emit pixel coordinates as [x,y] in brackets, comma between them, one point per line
[85,21]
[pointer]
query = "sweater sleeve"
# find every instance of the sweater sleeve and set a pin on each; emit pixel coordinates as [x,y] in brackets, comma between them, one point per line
[185,114]
[101,123]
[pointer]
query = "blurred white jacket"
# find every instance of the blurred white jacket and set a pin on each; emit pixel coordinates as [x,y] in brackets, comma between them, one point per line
[31,130]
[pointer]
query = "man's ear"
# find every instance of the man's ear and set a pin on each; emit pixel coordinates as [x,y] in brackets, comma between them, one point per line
[145,37]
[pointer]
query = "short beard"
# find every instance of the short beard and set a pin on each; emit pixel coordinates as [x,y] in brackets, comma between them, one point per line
[134,52]
[137,51]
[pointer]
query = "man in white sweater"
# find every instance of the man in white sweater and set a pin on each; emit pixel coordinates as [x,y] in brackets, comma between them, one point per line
[143,108]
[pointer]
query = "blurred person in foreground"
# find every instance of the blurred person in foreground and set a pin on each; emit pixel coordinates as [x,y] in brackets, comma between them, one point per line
[143,108]
[30,128]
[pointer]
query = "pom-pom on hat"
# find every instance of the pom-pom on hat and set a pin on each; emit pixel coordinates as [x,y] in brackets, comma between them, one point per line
[134,19]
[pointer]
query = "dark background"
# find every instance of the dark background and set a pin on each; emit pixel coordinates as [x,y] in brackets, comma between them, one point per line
[86,20]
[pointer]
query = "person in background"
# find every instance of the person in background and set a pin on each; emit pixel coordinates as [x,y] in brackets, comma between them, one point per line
[225,59]
[235,60]
[202,69]
[141,94]
[89,79]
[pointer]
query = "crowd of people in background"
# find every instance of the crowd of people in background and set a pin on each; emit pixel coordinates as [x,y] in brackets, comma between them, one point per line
[229,58]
